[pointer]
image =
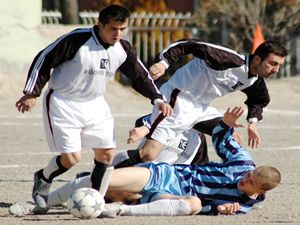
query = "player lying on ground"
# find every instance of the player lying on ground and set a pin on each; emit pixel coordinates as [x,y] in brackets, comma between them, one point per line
[230,187]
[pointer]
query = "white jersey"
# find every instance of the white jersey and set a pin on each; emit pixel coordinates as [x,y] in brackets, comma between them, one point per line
[79,65]
[214,72]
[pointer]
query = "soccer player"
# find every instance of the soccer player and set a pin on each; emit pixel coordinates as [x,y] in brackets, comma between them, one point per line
[77,67]
[214,72]
[230,187]
[189,147]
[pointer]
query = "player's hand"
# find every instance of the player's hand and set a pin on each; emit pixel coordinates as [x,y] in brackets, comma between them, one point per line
[165,108]
[232,115]
[136,134]
[253,136]
[229,208]
[157,70]
[26,103]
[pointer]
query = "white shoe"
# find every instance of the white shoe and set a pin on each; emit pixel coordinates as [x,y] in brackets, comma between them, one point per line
[21,209]
[111,210]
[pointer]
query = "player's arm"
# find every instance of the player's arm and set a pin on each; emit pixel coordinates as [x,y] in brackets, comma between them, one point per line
[224,144]
[257,99]
[141,80]
[59,51]
[216,57]
[141,129]
[215,207]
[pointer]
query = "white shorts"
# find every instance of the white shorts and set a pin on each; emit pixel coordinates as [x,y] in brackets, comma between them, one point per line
[70,125]
[181,150]
[186,113]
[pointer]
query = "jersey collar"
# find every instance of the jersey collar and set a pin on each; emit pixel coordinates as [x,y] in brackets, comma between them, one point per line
[98,39]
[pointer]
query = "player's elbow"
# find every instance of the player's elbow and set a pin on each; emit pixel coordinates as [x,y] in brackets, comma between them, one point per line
[195,204]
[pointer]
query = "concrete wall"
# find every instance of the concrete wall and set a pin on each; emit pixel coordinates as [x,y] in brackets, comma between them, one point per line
[20,36]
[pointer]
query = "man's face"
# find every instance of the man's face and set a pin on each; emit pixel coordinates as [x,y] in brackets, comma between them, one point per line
[250,184]
[112,32]
[269,66]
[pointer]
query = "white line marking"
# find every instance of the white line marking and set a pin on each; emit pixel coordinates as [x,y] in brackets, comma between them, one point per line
[33,165]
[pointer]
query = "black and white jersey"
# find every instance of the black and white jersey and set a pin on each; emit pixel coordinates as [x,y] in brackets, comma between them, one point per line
[79,65]
[214,72]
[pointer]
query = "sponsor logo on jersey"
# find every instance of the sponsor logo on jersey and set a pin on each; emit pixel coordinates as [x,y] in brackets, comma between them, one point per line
[104,63]
[93,72]
[182,144]
[238,84]
[230,89]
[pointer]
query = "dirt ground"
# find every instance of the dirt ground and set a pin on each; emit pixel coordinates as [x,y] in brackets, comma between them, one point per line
[23,150]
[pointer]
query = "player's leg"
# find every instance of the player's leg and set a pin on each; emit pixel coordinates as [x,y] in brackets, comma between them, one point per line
[102,170]
[201,156]
[63,135]
[165,205]
[131,179]
[98,133]
[43,178]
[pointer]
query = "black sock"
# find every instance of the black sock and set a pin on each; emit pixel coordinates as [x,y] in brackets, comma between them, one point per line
[134,158]
[97,174]
[61,169]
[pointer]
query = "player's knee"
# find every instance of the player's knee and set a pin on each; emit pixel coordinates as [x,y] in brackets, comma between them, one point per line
[195,204]
[147,155]
[70,159]
[104,155]
[149,152]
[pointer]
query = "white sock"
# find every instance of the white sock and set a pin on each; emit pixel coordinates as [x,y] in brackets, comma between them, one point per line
[50,168]
[106,180]
[62,194]
[163,207]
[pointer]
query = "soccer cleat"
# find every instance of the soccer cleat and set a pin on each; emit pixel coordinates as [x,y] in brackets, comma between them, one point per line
[21,209]
[40,190]
[111,210]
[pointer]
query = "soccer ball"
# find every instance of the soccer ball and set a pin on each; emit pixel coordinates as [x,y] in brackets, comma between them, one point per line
[86,203]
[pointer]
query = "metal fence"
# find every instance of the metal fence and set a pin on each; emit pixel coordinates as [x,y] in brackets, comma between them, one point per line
[150,32]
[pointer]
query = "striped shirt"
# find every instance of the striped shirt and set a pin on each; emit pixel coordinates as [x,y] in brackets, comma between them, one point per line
[214,183]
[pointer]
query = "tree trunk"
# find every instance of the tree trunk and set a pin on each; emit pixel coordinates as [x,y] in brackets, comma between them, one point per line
[69,10]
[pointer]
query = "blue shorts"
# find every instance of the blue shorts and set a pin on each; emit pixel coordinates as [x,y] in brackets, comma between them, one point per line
[163,180]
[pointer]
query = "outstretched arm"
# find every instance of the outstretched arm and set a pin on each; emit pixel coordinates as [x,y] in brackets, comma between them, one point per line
[232,115]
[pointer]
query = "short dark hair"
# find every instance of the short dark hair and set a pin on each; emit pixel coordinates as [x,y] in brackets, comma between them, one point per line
[116,12]
[271,46]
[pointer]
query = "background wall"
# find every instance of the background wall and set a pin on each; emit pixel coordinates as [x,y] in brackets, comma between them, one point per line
[20,35]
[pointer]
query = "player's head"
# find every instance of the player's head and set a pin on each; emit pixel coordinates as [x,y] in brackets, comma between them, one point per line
[113,23]
[260,180]
[267,58]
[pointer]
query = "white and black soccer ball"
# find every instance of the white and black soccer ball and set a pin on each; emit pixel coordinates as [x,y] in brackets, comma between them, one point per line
[86,203]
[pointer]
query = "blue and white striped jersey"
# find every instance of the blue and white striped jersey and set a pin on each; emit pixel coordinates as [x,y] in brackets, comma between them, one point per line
[214,183]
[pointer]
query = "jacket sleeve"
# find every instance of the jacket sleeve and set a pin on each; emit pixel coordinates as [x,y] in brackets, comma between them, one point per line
[144,121]
[137,73]
[257,98]
[61,50]
[226,147]
[216,57]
